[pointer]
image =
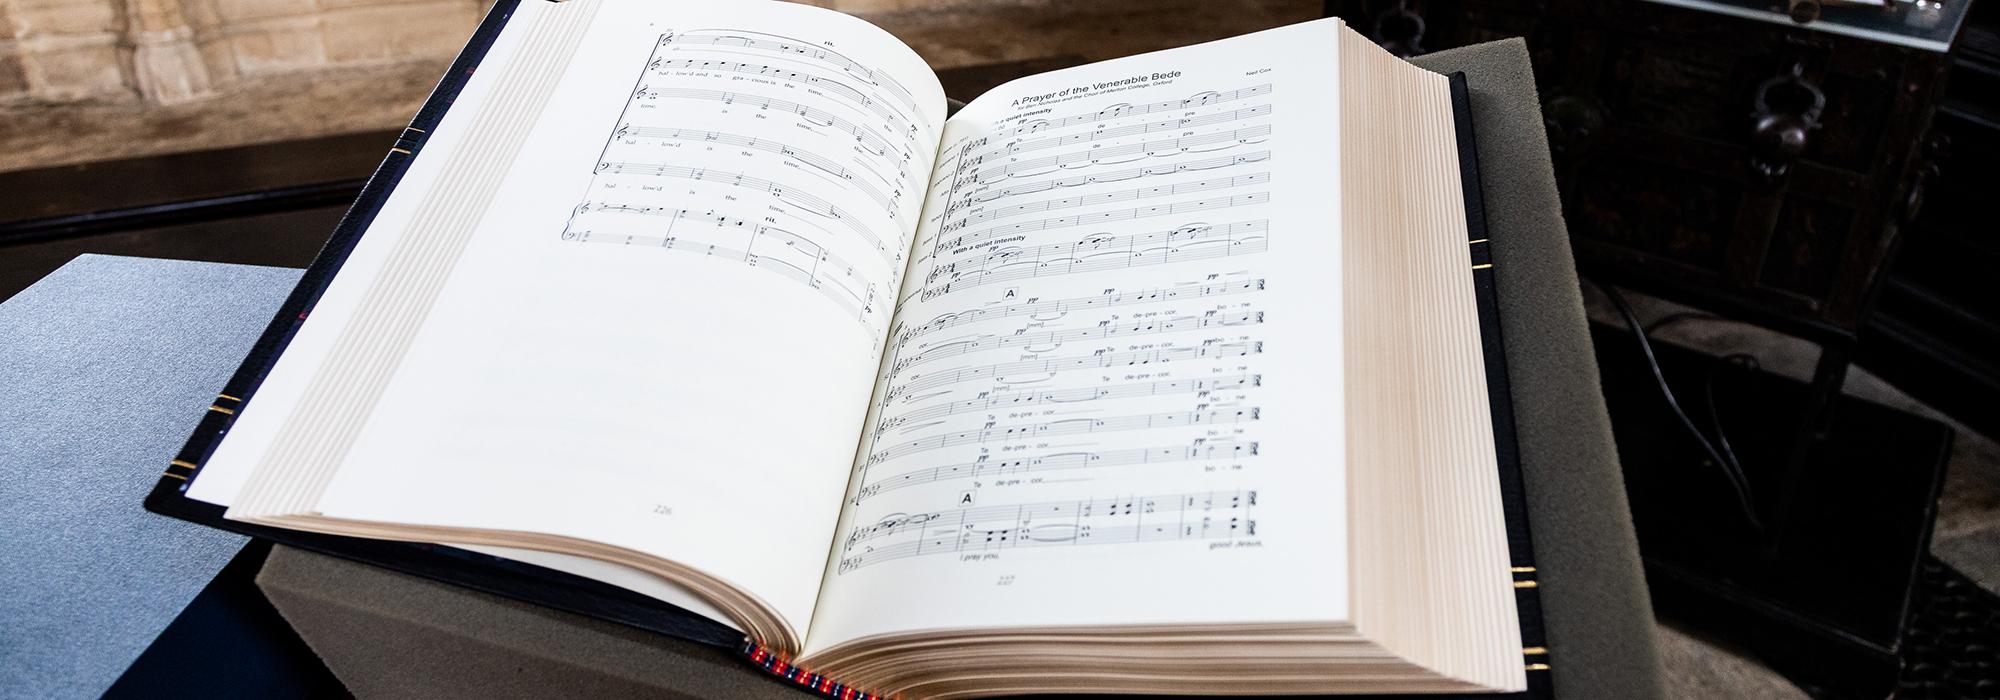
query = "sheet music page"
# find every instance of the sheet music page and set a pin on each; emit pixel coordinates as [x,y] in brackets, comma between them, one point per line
[1113,386]
[664,331]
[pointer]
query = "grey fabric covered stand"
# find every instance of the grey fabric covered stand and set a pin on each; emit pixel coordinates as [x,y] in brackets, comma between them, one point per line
[386,634]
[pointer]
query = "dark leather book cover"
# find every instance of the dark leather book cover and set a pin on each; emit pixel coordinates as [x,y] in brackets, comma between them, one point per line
[1513,492]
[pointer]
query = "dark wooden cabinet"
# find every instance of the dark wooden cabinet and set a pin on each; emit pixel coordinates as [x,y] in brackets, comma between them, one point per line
[1752,168]
[1936,329]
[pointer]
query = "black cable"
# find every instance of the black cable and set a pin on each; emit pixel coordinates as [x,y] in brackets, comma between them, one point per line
[1731,469]
[1740,359]
[1743,361]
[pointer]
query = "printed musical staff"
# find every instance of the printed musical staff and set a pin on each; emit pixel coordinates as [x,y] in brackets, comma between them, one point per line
[1057,308]
[890,203]
[1053,339]
[988,193]
[1104,198]
[895,118]
[821,143]
[1202,450]
[1099,252]
[1066,426]
[1013,147]
[1204,143]
[788,46]
[1118,111]
[1007,398]
[868,138]
[1000,232]
[1208,349]
[1112,520]
[804,200]
[1015,373]
[762,246]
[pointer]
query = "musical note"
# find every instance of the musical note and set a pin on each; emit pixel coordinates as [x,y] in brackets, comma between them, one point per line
[1014,147]
[1000,232]
[804,200]
[1104,198]
[1008,398]
[762,246]
[1103,331]
[895,118]
[1098,253]
[1200,450]
[1066,426]
[804,156]
[1212,348]
[737,38]
[1058,308]
[1124,154]
[983,193]
[1110,520]
[1032,393]
[1041,125]
[794,144]
[873,142]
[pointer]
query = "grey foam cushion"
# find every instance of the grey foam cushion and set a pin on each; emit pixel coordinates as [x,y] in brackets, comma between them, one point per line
[386,634]
[389,634]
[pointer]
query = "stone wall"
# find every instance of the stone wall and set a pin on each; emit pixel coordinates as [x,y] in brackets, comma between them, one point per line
[172,51]
[123,78]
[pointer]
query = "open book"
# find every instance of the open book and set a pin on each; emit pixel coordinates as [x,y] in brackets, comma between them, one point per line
[1161,374]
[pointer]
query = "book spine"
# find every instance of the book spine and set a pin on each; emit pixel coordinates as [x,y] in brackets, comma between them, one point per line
[817,683]
[1500,395]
